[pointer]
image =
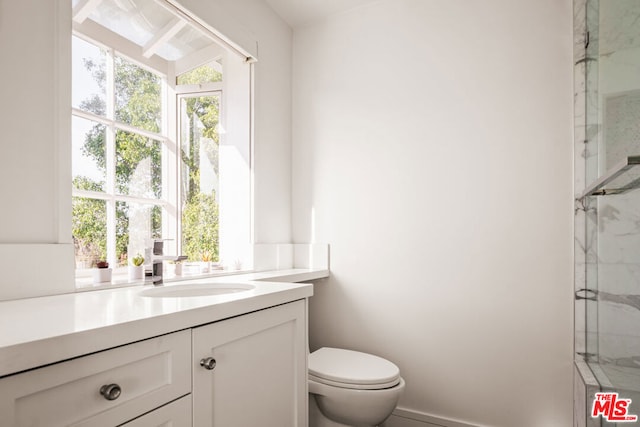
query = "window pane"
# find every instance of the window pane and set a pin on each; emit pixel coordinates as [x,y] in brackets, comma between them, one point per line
[89,77]
[135,223]
[199,172]
[135,20]
[138,165]
[88,156]
[138,100]
[89,231]
[187,41]
[208,73]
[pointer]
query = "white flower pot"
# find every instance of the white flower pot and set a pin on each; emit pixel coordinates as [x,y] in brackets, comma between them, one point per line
[101,275]
[136,272]
[178,271]
[205,267]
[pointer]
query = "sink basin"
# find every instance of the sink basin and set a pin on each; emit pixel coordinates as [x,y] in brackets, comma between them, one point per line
[196,290]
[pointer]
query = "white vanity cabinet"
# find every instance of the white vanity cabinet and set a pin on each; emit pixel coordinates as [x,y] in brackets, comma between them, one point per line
[244,371]
[251,370]
[103,389]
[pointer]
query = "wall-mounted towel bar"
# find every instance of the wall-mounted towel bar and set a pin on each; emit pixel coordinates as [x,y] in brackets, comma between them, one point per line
[601,187]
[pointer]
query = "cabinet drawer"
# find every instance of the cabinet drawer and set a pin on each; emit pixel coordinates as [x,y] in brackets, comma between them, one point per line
[175,414]
[149,373]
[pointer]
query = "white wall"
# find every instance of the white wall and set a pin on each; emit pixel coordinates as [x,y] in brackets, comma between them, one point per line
[272,122]
[27,173]
[432,148]
[36,254]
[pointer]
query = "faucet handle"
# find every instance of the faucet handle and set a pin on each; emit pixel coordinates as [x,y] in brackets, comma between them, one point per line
[157,245]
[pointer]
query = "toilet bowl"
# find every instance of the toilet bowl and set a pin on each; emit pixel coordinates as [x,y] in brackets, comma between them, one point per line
[351,388]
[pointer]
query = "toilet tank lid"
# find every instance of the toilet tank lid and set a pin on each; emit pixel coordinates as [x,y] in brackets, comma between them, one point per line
[351,367]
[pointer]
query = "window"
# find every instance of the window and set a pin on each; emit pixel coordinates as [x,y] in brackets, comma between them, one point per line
[199,171]
[151,156]
[118,151]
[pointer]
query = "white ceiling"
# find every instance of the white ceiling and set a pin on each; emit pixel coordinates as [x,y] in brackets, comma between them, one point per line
[301,12]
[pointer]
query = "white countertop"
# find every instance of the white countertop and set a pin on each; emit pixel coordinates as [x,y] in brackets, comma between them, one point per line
[44,330]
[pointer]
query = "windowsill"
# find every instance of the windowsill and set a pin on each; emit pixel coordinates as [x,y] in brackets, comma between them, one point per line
[121,280]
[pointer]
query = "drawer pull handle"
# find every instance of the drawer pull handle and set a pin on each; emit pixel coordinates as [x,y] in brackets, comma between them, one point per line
[208,363]
[111,391]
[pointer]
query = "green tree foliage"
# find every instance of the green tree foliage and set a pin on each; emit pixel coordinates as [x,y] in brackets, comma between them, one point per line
[200,75]
[137,96]
[200,209]
[200,227]
[88,223]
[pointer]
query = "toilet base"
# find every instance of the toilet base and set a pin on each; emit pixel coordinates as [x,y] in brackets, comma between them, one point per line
[354,407]
[317,419]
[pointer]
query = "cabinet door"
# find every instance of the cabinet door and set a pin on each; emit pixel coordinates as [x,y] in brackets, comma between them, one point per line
[174,414]
[260,373]
[102,389]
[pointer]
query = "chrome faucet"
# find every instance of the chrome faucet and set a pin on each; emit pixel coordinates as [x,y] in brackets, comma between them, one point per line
[156,260]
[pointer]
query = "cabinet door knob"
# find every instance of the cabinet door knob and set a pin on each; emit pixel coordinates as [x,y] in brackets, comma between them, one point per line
[111,391]
[208,363]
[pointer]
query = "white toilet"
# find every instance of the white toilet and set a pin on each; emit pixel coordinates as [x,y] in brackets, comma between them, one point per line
[351,388]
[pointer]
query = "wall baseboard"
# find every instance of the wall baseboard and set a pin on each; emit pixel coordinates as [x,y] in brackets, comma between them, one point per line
[409,418]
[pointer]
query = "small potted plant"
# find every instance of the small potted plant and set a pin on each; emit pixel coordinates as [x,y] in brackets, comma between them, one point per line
[136,269]
[102,272]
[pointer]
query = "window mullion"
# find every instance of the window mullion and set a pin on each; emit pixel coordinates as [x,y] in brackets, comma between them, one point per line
[111,159]
[170,213]
[118,125]
[147,134]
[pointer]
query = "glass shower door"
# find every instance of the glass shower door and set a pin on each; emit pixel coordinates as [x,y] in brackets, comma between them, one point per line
[612,216]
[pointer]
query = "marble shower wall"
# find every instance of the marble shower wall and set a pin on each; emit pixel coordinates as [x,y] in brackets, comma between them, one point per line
[607,228]
[618,227]
[607,129]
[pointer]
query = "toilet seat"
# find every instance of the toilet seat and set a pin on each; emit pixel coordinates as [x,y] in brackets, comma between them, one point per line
[352,369]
